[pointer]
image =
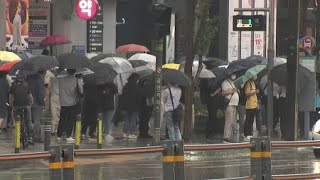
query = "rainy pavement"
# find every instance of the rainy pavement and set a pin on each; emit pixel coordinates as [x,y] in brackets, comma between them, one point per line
[199,165]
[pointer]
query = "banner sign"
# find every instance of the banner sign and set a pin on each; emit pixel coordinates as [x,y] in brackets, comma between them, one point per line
[95,33]
[17,24]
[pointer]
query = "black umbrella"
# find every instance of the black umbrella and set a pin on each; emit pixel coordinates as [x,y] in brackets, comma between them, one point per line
[176,77]
[103,73]
[220,73]
[212,62]
[279,75]
[73,61]
[39,63]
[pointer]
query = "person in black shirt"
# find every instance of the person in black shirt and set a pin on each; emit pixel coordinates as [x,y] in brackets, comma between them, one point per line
[20,99]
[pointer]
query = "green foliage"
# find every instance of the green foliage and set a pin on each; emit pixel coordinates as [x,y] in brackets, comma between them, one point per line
[199,108]
[206,27]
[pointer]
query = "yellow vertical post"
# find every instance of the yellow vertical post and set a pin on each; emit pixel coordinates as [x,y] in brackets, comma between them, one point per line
[99,136]
[17,134]
[77,133]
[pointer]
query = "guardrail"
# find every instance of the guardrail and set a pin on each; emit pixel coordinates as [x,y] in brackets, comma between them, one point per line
[61,158]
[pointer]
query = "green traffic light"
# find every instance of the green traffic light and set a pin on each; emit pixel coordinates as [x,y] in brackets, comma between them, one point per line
[250,21]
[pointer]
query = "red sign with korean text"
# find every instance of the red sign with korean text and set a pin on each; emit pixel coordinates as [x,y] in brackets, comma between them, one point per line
[87,9]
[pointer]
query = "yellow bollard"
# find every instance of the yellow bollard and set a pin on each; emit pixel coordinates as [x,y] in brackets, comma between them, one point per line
[17,134]
[99,133]
[78,132]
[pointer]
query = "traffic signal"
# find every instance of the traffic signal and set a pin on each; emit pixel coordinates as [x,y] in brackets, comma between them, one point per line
[161,19]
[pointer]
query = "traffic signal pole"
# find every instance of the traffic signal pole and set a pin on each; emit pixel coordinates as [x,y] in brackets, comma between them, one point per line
[291,121]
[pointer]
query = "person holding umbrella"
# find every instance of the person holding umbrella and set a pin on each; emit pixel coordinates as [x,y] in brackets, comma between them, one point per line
[4,89]
[70,90]
[231,94]
[130,100]
[251,92]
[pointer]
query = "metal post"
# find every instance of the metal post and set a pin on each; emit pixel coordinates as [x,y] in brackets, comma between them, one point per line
[158,79]
[47,133]
[55,163]
[271,54]
[100,131]
[77,134]
[68,162]
[306,125]
[266,158]
[17,134]
[179,173]
[255,159]
[168,160]
[51,27]
[291,122]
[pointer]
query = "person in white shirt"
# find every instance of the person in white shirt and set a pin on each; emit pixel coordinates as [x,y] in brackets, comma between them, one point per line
[171,99]
[231,93]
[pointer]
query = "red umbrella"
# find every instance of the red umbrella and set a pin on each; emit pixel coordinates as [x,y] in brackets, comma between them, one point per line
[55,40]
[132,48]
[6,67]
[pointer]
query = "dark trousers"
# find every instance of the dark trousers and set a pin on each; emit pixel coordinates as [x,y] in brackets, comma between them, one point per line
[89,120]
[213,126]
[248,125]
[144,118]
[283,118]
[276,112]
[68,115]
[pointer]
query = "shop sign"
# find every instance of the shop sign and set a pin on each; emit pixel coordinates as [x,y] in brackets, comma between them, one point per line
[87,9]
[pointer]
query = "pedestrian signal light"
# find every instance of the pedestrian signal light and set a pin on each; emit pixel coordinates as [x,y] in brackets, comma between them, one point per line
[249,23]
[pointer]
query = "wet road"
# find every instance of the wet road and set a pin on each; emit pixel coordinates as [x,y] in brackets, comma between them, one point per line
[199,165]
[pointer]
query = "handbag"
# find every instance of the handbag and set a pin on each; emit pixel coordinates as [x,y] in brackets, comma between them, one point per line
[226,100]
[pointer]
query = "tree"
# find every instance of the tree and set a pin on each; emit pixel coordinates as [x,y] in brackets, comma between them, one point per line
[200,31]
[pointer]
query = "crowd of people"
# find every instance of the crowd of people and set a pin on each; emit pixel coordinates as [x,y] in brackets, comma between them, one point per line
[65,94]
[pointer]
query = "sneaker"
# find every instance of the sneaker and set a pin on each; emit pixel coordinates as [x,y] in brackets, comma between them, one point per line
[132,136]
[125,135]
[70,140]
[226,141]
[109,138]
[83,137]
[59,138]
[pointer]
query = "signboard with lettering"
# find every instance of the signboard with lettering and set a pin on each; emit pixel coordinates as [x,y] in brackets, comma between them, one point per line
[95,33]
[249,23]
[87,9]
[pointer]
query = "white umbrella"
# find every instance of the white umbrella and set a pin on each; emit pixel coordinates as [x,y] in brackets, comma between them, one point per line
[204,73]
[145,57]
[119,64]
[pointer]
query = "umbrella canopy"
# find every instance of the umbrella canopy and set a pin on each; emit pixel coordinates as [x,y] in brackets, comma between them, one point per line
[24,55]
[120,65]
[9,56]
[220,73]
[212,62]
[250,73]
[277,61]
[132,48]
[141,68]
[83,71]
[204,73]
[103,73]
[6,67]
[39,63]
[279,75]
[176,77]
[144,57]
[55,40]
[73,61]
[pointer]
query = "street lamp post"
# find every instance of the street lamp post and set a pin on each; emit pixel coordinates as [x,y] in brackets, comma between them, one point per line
[2,24]
[271,54]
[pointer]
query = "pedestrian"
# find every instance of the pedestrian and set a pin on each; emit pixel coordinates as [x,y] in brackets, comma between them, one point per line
[54,102]
[130,101]
[70,90]
[283,112]
[231,94]
[37,88]
[251,92]
[108,107]
[90,110]
[20,99]
[4,90]
[171,99]
[145,114]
